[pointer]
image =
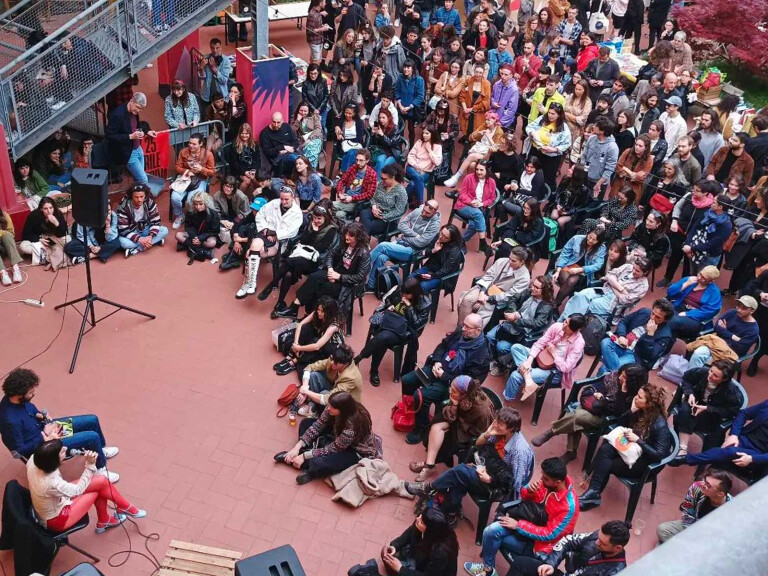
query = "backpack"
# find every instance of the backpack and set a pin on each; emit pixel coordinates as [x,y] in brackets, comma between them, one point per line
[593,333]
[404,413]
[550,246]
[387,277]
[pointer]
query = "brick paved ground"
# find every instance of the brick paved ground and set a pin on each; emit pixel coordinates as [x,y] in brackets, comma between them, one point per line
[190,400]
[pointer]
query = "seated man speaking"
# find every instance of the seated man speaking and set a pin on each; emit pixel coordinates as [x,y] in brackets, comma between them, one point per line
[23,427]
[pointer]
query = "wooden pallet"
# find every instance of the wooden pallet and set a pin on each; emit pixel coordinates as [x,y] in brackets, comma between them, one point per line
[185,559]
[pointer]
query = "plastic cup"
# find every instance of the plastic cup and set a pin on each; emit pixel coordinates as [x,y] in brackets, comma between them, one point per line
[638,526]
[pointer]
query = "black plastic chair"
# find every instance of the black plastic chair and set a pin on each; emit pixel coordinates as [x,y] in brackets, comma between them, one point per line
[553,382]
[434,294]
[454,195]
[61,539]
[532,245]
[357,294]
[397,352]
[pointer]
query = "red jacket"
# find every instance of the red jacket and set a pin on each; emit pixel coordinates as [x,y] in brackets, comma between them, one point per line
[368,188]
[467,192]
[585,56]
[527,73]
[562,513]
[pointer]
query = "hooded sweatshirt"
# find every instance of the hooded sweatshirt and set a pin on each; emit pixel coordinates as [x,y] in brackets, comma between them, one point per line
[600,157]
[393,57]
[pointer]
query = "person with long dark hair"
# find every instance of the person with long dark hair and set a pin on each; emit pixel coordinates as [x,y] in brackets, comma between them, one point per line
[477,193]
[645,425]
[445,258]
[237,108]
[307,255]
[29,182]
[428,547]
[345,267]
[550,140]
[634,166]
[412,306]
[243,159]
[521,231]
[386,143]
[314,91]
[340,438]
[572,194]
[309,186]
[181,109]
[582,257]
[650,239]
[308,125]
[616,216]
[613,397]
[44,235]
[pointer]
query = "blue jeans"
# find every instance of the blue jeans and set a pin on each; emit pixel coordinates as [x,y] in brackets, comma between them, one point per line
[178,199]
[319,383]
[384,252]
[426,285]
[476,219]
[87,436]
[126,243]
[614,356]
[136,166]
[495,536]
[381,161]
[461,477]
[502,347]
[160,7]
[589,300]
[723,456]
[520,354]
[284,164]
[700,357]
[417,181]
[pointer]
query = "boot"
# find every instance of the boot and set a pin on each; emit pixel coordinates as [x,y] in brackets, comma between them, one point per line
[752,368]
[484,248]
[542,439]
[203,254]
[249,285]
[230,260]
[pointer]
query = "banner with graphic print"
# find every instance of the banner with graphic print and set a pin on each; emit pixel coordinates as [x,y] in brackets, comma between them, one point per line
[266,88]
[176,63]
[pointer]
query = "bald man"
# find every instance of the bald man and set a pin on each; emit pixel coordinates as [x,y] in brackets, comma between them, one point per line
[463,352]
[279,144]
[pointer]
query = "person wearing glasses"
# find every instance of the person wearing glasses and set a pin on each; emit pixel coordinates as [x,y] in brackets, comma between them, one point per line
[125,131]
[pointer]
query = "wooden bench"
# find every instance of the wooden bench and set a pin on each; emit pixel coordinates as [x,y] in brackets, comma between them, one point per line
[185,559]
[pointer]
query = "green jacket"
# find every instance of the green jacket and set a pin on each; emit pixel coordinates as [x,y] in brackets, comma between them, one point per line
[36,184]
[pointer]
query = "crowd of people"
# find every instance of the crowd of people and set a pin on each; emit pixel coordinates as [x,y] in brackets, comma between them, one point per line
[609,178]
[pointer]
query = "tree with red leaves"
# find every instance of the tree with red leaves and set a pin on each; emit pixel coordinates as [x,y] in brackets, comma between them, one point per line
[740,28]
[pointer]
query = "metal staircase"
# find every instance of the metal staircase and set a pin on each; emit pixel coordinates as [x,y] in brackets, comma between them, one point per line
[90,48]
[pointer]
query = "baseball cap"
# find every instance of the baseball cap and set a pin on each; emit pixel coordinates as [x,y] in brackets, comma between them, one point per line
[258,203]
[674,100]
[748,302]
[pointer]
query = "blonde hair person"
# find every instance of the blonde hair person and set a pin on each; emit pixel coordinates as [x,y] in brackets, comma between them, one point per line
[201,227]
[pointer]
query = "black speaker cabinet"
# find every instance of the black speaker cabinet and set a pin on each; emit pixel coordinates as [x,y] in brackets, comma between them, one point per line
[90,196]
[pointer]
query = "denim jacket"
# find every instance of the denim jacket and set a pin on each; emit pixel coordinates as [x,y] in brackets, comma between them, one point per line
[593,262]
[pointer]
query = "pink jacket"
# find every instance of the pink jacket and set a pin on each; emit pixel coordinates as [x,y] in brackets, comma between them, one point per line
[573,352]
[425,160]
[467,192]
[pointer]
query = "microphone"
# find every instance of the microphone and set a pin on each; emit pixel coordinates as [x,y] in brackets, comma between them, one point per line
[75,452]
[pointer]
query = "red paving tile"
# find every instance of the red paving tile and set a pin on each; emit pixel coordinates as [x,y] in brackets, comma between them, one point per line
[190,400]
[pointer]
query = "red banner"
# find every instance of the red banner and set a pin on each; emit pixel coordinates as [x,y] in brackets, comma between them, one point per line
[156,154]
[176,64]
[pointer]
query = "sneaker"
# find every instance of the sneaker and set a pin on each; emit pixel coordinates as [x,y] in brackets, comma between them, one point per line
[413,438]
[307,411]
[452,181]
[110,451]
[426,473]
[113,521]
[113,477]
[17,276]
[177,222]
[496,369]
[133,512]
[478,569]
[5,279]
[78,260]
[131,252]
[418,489]
[162,242]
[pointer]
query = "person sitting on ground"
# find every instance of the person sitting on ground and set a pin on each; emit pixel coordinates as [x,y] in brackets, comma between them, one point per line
[324,378]
[462,352]
[23,427]
[623,287]
[54,168]
[526,313]
[241,233]
[506,277]
[643,336]
[389,202]
[709,398]
[278,143]
[599,553]
[737,331]
[468,413]
[59,504]
[581,258]
[504,440]
[201,228]
[100,242]
[278,220]
[138,221]
[704,496]
[697,300]
[196,164]
[231,205]
[445,258]
[563,347]
[429,546]
[8,247]
[417,230]
[645,425]
[313,243]
[45,231]
[555,496]
[612,398]
[413,306]
[340,438]
[315,338]
[30,183]
[356,185]
[345,268]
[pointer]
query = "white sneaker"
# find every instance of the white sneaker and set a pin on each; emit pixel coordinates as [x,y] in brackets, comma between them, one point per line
[110,451]
[177,222]
[113,477]
[5,279]
[452,181]
[17,276]
[78,260]
[131,251]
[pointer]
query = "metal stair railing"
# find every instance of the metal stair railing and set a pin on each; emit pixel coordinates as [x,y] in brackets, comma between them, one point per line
[50,84]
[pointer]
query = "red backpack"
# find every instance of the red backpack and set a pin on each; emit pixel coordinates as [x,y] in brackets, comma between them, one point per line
[404,413]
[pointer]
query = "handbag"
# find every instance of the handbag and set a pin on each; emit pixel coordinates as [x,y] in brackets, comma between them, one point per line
[545,360]
[347,145]
[662,203]
[304,251]
[432,104]
[673,367]
[284,327]
[404,412]
[591,403]
[285,400]
[598,22]
[731,241]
